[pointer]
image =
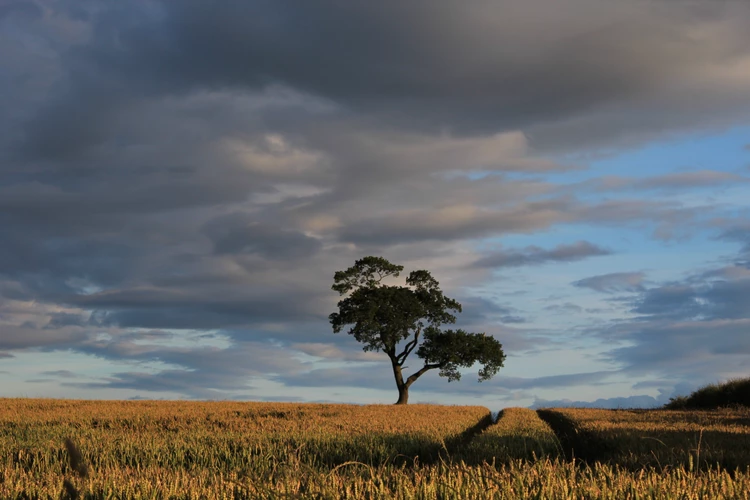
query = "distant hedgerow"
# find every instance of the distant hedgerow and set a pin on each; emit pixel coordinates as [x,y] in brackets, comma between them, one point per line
[734,392]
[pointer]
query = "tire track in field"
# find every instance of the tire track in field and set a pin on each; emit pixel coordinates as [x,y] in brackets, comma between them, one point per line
[577,444]
[455,444]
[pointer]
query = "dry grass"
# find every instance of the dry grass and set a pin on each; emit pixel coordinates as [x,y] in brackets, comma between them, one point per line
[188,450]
[228,435]
[517,480]
[519,434]
[662,438]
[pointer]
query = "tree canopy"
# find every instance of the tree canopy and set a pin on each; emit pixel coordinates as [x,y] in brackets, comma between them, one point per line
[398,320]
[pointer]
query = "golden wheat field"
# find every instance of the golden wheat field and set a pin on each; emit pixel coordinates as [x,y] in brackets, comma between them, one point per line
[658,438]
[186,450]
[518,434]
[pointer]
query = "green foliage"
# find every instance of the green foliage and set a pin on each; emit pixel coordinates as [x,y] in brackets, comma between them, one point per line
[381,316]
[454,349]
[735,392]
[366,272]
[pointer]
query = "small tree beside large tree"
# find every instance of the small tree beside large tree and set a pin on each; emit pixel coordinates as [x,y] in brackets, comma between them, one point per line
[398,320]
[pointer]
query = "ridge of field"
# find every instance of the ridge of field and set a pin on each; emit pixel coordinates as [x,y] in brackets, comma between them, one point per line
[518,434]
[655,438]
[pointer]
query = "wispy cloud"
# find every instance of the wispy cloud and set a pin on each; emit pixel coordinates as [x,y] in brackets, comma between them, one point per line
[533,255]
[613,282]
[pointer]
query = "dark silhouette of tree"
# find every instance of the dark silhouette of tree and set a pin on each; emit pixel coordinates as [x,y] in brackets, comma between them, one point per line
[401,319]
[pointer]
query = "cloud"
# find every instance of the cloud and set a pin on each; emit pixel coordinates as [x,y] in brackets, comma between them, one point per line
[455,222]
[171,308]
[239,233]
[427,67]
[534,255]
[741,233]
[676,181]
[685,180]
[180,382]
[710,300]
[692,330]
[553,381]
[59,373]
[25,336]
[373,377]
[190,167]
[566,307]
[641,401]
[613,282]
[479,312]
[332,352]
[464,76]
[197,371]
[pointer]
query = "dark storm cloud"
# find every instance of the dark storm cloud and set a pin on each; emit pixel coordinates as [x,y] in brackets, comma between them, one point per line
[239,233]
[58,320]
[533,255]
[20,10]
[487,66]
[172,308]
[25,336]
[193,165]
[613,282]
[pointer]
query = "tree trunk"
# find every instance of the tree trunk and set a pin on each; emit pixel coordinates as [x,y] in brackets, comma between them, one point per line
[403,395]
[403,387]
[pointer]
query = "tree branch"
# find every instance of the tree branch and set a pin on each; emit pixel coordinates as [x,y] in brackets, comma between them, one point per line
[421,372]
[409,347]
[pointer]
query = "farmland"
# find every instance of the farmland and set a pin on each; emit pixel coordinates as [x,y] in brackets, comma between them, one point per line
[656,438]
[148,449]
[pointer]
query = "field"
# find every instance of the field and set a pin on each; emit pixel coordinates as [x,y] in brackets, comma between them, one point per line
[149,449]
[656,438]
[518,434]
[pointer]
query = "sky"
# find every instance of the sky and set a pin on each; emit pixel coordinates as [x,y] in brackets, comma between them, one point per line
[180,180]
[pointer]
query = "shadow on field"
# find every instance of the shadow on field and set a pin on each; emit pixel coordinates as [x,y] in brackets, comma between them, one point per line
[403,450]
[659,449]
[512,438]
[576,443]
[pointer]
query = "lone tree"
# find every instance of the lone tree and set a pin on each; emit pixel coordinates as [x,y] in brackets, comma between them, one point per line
[382,316]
